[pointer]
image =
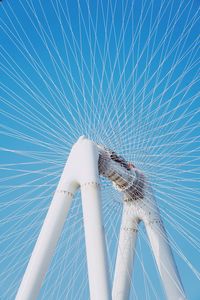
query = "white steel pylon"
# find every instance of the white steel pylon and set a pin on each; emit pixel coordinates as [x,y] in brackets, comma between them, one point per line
[81,170]
[139,205]
[144,209]
[86,162]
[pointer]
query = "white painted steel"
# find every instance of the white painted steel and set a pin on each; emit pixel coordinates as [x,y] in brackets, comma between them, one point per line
[163,253]
[95,244]
[47,240]
[147,211]
[81,170]
[125,255]
[94,233]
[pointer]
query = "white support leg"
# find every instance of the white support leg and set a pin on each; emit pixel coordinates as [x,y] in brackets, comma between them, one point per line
[93,225]
[165,261]
[45,246]
[163,254]
[95,243]
[49,235]
[125,256]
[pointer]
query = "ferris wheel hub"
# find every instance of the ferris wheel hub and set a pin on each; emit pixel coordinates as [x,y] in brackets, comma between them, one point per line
[124,175]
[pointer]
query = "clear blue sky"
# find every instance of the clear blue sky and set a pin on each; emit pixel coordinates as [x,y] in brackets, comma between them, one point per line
[126,74]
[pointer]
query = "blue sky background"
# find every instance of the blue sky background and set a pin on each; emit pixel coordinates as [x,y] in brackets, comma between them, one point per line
[126,74]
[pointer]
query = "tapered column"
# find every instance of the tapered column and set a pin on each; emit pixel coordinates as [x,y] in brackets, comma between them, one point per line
[165,261]
[45,246]
[163,254]
[95,243]
[49,235]
[125,255]
[93,224]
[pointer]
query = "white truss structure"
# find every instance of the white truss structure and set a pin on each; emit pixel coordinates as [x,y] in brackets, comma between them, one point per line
[86,162]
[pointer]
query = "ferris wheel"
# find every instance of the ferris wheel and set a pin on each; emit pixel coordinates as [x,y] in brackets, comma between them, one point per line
[120,218]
